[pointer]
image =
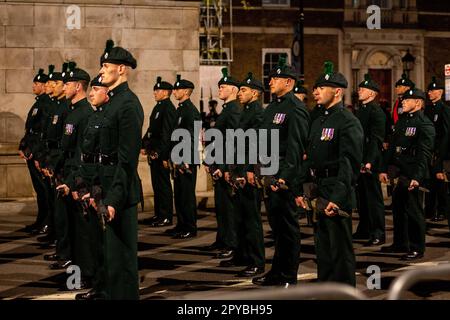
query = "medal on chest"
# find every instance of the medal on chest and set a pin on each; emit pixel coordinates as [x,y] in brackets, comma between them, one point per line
[279,118]
[55,119]
[327,134]
[69,129]
[410,131]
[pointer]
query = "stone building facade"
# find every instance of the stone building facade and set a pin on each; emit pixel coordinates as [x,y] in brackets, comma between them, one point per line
[161,34]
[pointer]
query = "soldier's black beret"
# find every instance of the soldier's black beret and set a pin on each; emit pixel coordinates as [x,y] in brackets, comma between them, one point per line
[72,73]
[299,88]
[436,84]
[329,78]
[41,77]
[369,83]
[283,70]
[97,82]
[405,81]
[227,79]
[252,83]
[117,55]
[54,76]
[163,85]
[414,93]
[183,83]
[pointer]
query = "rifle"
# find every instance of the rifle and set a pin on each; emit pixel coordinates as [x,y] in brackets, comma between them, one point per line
[212,169]
[365,170]
[176,169]
[82,189]
[273,181]
[102,210]
[322,203]
[396,179]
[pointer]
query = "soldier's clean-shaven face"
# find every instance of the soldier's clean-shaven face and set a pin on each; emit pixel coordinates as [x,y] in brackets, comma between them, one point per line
[49,87]
[315,94]
[410,105]
[399,90]
[435,95]
[38,88]
[110,73]
[58,89]
[160,94]
[325,95]
[364,94]
[225,91]
[70,89]
[245,95]
[98,95]
[181,94]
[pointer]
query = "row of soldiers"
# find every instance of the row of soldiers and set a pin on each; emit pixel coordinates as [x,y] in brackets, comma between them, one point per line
[82,159]
[85,161]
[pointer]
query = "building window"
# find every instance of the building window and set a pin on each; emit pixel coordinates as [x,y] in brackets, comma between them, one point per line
[384,4]
[270,60]
[404,4]
[278,3]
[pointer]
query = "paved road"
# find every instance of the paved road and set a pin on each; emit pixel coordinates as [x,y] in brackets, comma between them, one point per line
[179,268]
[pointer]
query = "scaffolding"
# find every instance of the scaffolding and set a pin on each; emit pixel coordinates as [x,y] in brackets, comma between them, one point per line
[212,51]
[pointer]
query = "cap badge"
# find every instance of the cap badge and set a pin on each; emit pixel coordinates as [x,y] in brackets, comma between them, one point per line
[71,73]
[327,77]
[249,80]
[51,75]
[403,81]
[39,77]
[158,85]
[434,85]
[63,74]
[410,92]
[366,82]
[106,55]
[278,71]
[178,83]
[225,79]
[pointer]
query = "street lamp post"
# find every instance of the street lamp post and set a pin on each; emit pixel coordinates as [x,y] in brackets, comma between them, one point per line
[408,62]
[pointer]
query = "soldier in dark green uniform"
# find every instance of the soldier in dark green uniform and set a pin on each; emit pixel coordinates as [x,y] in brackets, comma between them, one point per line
[438,112]
[287,116]
[226,238]
[401,86]
[28,144]
[116,151]
[334,158]
[156,145]
[185,172]
[246,201]
[53,133]
[72,225]
[85,177]
[409,156]
[370,198]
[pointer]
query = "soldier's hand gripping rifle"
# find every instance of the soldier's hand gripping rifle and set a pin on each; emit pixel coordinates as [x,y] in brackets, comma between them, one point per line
[270,181]
[400,180]
[322,204]
[213,171]
[365,170]
[102,210]
[82,189]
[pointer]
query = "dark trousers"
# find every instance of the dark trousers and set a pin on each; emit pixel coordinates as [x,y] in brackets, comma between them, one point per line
[51,196]
[286,258]
[436,202]
[409,220]
[185,200]
[41,192]
[117,274]
[162,190]
[334,249]
[225,215]
[250,236]
[370,207]
[64,227]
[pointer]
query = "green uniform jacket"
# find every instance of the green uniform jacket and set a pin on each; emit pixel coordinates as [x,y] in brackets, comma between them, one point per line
[411,146]
[34,125]
[161,125]
[186,114]
[120,136]
[54,131]
[373,121]
[289,116]
[336,144]
[228,119]
[74,126]
[439,114]
[251,118]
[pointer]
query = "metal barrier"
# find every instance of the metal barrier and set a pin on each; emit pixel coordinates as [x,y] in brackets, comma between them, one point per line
[320,291]
[409,278]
